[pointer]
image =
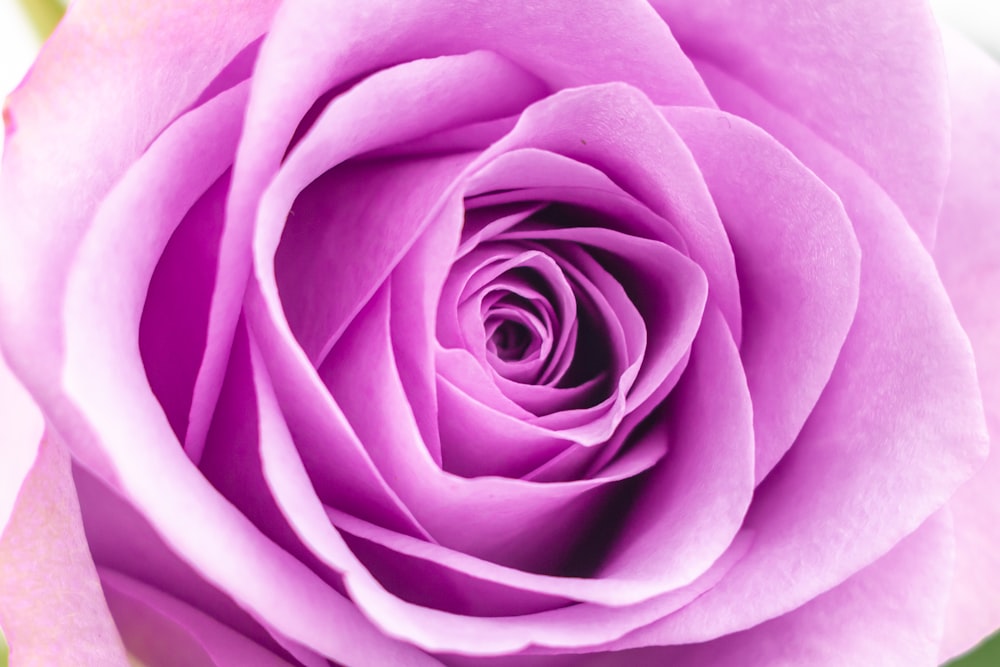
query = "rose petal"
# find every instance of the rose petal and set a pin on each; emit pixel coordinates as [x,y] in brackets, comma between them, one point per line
[523,516]
[122,540]
[867,77]
[76,109]
[118,257]
[21,430]
[51,606]
[668,291]
[174,324]
[616,130]
[431,628]
[438,93]
[900,594]
[102,411]
[798,264]
[316,46]
[161,630]
[446,505]
[337,458]
[968,257]
[408,187]
[899,422]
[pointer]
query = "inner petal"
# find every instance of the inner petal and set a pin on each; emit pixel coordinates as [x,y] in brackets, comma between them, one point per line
[512,337]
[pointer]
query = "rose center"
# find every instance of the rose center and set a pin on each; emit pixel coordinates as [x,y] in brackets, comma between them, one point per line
[510,340]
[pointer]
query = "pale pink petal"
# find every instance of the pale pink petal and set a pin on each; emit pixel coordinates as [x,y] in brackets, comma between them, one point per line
[21,430]
[867,77]
[76,112]
[968,257]
[51,606]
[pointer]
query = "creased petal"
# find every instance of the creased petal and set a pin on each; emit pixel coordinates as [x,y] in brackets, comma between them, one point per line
[968,257]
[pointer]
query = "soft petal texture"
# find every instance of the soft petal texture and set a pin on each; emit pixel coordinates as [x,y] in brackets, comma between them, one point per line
[51,606]
[900,417]
[104,411]
[431,628]
[968,257]
[172,331]
[867,77]
[162,631]
[397,104]
[617,131]
[357,506]
[888,614]
[798,264]
[21,429]
[93,133]
[317,46]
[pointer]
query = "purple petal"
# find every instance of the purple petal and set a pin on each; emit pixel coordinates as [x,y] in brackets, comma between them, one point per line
[616,130]
[161,630]
[798,265]
[77,110]
[868,78]
[899,421]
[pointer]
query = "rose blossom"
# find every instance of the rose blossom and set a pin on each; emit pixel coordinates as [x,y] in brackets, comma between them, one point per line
[469,333]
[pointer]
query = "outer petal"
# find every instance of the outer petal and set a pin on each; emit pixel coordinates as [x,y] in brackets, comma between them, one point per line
[162,631]
[798,264]
[867,77]
[901,595]
[51,605]
[21,428]
[968,258]
[75,113]
[898,421]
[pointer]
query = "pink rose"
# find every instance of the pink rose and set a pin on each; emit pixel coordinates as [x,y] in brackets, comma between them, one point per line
[477,333]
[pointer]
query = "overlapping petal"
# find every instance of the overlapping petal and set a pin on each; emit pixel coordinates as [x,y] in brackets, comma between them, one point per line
[93,134]
[486,332]
[968,258]
[51,605]
[868,78]
[900,417]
